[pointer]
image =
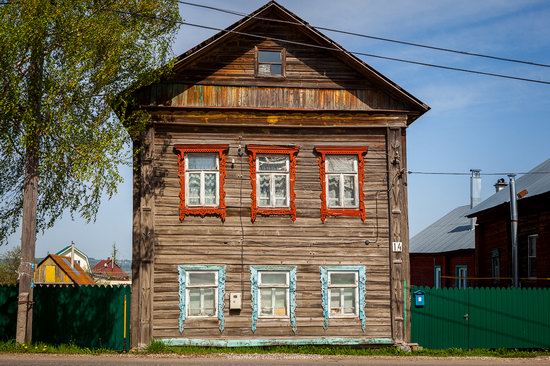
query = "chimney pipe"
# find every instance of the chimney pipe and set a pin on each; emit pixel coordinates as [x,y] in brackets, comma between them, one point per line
[500,185]
[475,193]
[72,253]
[514,228]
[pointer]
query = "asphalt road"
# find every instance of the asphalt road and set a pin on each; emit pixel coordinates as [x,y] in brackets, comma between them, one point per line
[245,360]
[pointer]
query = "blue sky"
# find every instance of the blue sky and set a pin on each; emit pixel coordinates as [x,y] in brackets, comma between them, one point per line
[476,122]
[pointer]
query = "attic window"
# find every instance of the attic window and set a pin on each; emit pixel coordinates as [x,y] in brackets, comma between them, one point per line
[270,63]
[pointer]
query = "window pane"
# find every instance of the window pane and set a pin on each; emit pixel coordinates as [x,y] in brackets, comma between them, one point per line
[280,302]
[193,197]
[280,190]
[272,163]
[341,163]
[201,161]
[349,190]
[349,300]
[334,191]
[265,298]
[335,301]
[195,301]
[342,278]
[264,69]
[209,302]
[276,69]
[210,188]
[269,56]
[202,278]
[265,190]
[273,278]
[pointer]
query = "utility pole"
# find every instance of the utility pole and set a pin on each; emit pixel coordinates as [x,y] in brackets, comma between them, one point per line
[514,228]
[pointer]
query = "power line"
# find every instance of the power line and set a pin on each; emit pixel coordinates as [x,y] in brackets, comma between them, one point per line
[366,54]
[468,174]
[413,44]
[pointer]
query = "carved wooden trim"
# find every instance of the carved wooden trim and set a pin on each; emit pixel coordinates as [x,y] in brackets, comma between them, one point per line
[291,151]
[222,150]
[360,151]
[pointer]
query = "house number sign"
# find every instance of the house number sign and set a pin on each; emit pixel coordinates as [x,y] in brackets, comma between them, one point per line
[397,246]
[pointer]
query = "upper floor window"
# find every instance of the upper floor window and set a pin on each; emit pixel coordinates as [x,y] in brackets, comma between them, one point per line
[270,62]
[272,176]
[272,180]
[532,256]
[341,170]
[341,175]
[202,176]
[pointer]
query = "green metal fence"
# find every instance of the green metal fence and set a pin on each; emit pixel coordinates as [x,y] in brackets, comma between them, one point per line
[482,318]
[88,316]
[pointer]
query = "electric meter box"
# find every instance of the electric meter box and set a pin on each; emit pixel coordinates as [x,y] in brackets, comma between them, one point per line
[235,302]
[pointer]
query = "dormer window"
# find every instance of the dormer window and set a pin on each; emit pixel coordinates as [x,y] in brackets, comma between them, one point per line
[270,62]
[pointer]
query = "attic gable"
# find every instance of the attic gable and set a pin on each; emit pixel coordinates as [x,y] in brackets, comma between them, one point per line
[222,72]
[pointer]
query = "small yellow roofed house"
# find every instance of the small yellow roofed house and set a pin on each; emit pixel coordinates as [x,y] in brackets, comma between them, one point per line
[58,270]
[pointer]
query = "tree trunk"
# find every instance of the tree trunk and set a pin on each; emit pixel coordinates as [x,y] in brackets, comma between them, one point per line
[28,242]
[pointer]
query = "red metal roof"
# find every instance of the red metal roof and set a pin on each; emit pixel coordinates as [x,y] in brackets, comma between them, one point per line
[107,268]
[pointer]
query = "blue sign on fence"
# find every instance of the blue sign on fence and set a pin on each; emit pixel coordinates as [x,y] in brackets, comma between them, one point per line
[419,299]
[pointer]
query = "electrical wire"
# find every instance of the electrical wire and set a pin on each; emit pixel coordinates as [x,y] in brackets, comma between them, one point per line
[468,174]
[451,68]
[334,30]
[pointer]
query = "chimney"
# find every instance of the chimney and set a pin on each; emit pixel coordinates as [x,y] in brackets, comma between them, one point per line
[72,253]
[500,185]
[475,193]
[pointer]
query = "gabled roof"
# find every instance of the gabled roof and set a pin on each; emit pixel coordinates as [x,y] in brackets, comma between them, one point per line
[449,233]
[67,250]
[239,28]
[536,182]
[107,268]
[75,272]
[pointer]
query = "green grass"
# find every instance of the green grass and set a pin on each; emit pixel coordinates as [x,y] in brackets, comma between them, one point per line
[13,347]
[157,347]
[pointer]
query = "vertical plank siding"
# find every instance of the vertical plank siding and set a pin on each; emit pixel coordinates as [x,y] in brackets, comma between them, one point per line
[273,240]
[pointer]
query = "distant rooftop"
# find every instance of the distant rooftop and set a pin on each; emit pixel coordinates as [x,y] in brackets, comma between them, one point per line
[449,233]
[536,182]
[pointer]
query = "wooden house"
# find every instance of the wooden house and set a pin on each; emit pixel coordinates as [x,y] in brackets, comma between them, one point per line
[270,202]
[58,270]
[493,238]
[108,272]
[76,255]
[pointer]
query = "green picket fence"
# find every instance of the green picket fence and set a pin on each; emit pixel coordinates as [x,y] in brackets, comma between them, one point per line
[88,316]
[482,318]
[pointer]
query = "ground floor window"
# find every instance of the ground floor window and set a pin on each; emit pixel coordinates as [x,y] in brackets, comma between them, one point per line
[201,293]
[461,276]
[495,264]
[437,276]
[343,291]
[273,293]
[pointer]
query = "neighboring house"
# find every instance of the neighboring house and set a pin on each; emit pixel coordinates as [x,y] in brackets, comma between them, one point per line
[79,257]
[57,270]
[107,271]
[270,203]
[493,241]
[443,254]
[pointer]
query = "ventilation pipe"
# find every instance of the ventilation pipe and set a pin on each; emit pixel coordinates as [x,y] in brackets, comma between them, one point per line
[500,185]
[514,228]
[475,193]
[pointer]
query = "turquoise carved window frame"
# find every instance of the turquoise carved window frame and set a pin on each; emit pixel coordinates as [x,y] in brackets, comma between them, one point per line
[182,269]
[362,289]
[291,290]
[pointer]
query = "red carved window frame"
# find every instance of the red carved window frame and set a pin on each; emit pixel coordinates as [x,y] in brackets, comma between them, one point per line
[291,151]
[360,151]
[221,150]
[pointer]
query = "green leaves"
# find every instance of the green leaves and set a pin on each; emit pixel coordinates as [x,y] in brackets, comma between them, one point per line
[64,65]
